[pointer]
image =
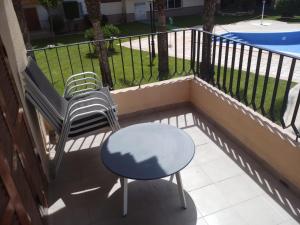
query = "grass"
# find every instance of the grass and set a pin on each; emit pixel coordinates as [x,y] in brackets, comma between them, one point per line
[83,59]
[295,19]
[253,98]
[132,71]
[140,72]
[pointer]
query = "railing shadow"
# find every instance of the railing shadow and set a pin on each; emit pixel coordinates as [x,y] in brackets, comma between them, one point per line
[85,189]
[275,188]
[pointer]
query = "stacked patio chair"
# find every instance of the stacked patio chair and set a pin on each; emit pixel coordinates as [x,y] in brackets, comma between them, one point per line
[86,106]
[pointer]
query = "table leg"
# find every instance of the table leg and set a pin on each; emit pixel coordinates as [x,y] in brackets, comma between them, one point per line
[125,196]
[172,178]
[180,190]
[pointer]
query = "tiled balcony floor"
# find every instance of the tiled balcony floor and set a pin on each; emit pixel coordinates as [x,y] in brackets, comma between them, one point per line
[224,185]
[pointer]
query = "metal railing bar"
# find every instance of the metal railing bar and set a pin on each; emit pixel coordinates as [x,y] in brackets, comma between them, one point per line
[47,60]
[286,93]
[232,69]
[245,94]
[132,61]
[256,80]
[225,67]
[265,86]
[237,93]
[276,88]
[219,63]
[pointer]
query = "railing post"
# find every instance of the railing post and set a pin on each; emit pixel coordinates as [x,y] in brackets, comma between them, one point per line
[193,50]
[206,67]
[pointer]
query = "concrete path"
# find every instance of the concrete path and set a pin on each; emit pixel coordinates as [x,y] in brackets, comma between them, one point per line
[183,48]
[256,27]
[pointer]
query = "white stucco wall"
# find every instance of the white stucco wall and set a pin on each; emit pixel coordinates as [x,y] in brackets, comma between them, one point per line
[190,3]
[106,8]
[130,5]
[111,8]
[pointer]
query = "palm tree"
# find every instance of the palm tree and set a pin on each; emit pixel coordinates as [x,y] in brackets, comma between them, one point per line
[22,22]
[206,68]
[93,9]
[162,41]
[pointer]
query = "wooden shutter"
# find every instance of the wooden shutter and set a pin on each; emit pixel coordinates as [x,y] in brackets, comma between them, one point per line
[22,181]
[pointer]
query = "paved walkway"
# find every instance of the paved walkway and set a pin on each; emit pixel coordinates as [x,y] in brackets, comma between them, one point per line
[255,26]
[183,48]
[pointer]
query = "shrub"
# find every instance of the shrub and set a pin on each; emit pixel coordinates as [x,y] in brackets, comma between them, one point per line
[108,30]
[287,8]
[89,34]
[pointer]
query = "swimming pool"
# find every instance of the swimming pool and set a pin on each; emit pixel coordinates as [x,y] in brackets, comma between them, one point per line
[287,42]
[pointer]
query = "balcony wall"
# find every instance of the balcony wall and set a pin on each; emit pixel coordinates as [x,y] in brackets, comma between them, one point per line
[264,139]
[151,96]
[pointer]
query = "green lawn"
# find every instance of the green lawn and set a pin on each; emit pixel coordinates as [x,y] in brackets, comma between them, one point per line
[83,59]
[248,97]
[295,19]
[125,73]
[140,72]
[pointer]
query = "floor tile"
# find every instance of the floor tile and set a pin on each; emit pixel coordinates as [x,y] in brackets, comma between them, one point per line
[197,135]
[207,152]
[257,211]
[221,169]
[225,217]
[290,222]
[239,188]
[201,222]
[209,199]
[194,178]
[282,210]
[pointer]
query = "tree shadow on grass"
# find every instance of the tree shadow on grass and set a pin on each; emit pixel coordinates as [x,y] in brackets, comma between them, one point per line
[290,20]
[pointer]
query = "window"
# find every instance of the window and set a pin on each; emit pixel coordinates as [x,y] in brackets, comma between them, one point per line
[71,9]
[172,4]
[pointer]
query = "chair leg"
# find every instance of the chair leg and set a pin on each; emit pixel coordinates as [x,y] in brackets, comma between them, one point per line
[59,151]
[180,190]
[125,196]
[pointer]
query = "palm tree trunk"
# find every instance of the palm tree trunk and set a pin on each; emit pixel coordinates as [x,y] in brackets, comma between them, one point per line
[22,22]
[162,41]
[102,55]
[93,8]
[206,68]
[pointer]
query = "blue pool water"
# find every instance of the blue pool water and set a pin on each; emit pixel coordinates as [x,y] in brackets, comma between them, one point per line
[288,42]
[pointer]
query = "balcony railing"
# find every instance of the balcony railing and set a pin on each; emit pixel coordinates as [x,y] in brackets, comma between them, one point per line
[259,78]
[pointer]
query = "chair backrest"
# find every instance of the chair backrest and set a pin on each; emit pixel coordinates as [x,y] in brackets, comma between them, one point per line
[45,88]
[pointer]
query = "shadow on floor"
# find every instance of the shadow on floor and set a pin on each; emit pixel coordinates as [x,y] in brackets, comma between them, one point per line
[274,187]
[84,192]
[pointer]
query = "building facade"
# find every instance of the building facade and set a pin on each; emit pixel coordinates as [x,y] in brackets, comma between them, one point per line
[116,11]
